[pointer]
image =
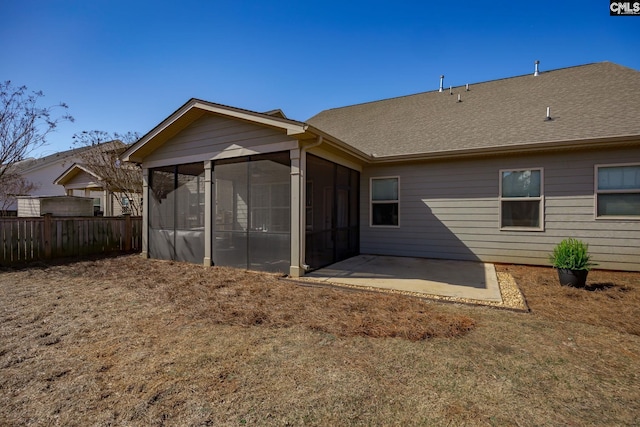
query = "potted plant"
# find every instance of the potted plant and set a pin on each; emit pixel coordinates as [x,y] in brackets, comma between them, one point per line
[572,260]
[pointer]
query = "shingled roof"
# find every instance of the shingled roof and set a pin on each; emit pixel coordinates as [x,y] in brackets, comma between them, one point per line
[587,102]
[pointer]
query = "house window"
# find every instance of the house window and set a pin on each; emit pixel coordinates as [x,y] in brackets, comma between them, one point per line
[126,207]
[385,202]
[521,199]
[97,206]
[618,191]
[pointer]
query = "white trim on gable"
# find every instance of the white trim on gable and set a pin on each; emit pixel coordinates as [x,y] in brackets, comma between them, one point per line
[71,172]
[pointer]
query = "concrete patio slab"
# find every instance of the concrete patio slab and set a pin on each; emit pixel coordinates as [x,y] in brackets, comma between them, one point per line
[456,279]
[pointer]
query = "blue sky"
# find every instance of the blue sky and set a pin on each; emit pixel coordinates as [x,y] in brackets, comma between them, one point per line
[126,65]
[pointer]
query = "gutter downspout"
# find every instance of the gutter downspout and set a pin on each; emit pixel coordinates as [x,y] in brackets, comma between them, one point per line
[303,200]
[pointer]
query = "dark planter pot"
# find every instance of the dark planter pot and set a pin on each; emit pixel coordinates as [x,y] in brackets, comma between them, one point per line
[575,278]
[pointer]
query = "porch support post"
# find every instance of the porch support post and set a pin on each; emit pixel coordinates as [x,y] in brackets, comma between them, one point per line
[302,241]
[208,216]
[145,213]
[296,214]
[108,204]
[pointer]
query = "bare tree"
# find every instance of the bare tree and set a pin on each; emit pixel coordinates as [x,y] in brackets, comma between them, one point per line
[23,125]
[123,180]
[13,185]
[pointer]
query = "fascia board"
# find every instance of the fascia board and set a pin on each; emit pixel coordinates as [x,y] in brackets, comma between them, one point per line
[497,150]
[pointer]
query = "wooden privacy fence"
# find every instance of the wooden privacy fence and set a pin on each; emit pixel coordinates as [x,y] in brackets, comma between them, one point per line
[30,239]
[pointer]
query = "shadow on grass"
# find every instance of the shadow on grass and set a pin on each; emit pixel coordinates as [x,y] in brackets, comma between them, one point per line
[605,286]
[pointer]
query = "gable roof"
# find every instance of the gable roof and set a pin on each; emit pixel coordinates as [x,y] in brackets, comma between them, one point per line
[73,171]
[276,113]
[193,110]
[589,102]
[31,164]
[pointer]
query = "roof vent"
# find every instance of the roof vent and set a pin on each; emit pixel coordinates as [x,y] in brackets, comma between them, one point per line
[549,114]
[459,100]
[450,90]
[536,72]
[441,82]
[467,87]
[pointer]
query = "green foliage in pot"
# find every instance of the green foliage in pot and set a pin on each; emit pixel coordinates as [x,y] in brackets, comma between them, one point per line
[571,254]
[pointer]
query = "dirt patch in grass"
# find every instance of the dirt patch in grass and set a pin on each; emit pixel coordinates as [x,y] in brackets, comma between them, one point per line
[128,341]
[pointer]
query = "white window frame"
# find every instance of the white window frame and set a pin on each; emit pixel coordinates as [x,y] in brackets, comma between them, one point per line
[597,192]
[522,199]
[372,202]
[125,204]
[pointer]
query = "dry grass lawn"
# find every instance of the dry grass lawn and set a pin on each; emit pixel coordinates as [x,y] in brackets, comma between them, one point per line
[128,341]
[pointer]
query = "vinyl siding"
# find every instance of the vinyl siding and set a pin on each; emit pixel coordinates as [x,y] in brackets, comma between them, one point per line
[451,210]
[82,180]
[115,199]
[44,176]
[28,207]
[211,135]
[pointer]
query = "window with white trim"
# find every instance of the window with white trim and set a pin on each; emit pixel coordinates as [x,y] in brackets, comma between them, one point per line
[97,206]
[126,206]
[618,191]
[521,199]
[385,201]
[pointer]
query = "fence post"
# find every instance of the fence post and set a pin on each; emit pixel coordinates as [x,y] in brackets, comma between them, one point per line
[47,235]
[128,232]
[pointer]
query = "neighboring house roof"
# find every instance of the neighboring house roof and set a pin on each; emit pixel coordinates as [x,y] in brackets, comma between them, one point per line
[590,102]
[276,113]
[31,164]
[73,171]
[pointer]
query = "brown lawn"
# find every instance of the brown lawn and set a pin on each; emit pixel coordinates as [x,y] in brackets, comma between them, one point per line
[128,341]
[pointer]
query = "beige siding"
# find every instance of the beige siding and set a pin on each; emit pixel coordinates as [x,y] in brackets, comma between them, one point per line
[135,206]
[211,135]
[43,178]
[82,180]
[28,207]
[451,210]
